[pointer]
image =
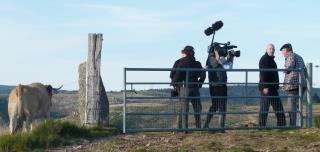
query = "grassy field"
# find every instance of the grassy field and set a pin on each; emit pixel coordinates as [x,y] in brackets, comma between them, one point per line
[169,121]
[50,134]
[65,106]
[306,140]
[57,136]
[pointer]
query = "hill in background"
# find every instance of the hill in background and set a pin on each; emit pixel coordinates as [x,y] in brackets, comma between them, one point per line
[65,103]
[5,89]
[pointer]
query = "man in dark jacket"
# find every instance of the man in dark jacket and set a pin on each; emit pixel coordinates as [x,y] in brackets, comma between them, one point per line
[269,85]
[194,80]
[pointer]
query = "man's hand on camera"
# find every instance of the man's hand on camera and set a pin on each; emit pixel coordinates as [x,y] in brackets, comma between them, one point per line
[217,56]
[230,57]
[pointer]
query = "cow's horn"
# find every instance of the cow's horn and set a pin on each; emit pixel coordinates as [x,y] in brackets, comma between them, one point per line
[57,89]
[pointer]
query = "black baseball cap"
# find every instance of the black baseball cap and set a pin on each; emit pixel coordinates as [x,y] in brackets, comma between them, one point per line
[287,45]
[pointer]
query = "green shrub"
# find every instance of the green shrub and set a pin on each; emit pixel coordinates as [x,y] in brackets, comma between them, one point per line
[97,132]
[69,130]
[316,121]
[242,148]
[49,134]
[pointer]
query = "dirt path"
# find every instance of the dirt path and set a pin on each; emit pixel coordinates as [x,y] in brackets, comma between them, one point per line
[275,140]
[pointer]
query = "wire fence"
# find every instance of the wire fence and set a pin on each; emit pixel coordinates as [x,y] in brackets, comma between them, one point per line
[243,107]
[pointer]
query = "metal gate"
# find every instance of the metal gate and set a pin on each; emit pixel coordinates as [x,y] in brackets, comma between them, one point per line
[155,110]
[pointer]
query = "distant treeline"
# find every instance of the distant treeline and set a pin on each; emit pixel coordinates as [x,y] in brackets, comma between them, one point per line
[3,109]
[4,89]
[233,91]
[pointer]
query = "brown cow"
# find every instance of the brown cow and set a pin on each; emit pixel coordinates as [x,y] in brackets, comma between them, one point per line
[27,102]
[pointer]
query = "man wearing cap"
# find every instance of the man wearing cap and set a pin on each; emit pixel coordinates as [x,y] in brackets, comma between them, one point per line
[218,85]
[291,80]
[195,80]
[268,86]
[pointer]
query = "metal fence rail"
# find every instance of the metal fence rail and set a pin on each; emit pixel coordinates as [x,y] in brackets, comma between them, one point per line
[155,110]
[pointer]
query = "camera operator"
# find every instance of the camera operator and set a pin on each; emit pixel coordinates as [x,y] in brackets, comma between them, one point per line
[216,61]
[177,77]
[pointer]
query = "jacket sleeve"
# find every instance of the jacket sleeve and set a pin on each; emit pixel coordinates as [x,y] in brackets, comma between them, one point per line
[290,63]
[202,76]
[178,76]
[263,64]
[172,73]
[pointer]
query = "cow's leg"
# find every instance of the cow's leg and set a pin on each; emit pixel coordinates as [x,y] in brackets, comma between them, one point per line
[28,125]
[17,124]
[47,116]
[13,116]
[13,124]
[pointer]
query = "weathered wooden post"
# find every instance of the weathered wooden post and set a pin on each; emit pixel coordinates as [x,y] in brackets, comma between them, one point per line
[93,98]
[309,94]
[82,91]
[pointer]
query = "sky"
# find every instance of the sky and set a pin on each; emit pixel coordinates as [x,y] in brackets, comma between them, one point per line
[45,41]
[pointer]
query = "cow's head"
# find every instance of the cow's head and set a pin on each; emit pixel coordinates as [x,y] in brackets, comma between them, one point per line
[52,90]
[49,90]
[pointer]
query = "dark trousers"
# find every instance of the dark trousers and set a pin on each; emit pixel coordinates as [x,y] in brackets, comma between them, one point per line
[218,104]
[294,105]
[184,106]
[276,105]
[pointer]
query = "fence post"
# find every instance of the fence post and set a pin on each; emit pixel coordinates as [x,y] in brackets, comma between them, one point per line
[309,94]
[299,118]
[124,100]
[246,86]
[186,102]
[96,104]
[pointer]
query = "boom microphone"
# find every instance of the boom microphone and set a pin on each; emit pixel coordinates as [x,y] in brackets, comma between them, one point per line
[215,27]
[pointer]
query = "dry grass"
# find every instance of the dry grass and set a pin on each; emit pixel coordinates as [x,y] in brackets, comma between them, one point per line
[4,130]
[232,141]
[274,140]
[136,105]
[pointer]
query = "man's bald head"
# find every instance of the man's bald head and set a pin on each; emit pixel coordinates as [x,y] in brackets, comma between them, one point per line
[270,49]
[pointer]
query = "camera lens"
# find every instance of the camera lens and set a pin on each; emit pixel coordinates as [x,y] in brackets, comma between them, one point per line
[237,53]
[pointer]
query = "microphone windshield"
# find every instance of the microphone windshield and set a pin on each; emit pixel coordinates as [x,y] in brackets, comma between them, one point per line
[217,25]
